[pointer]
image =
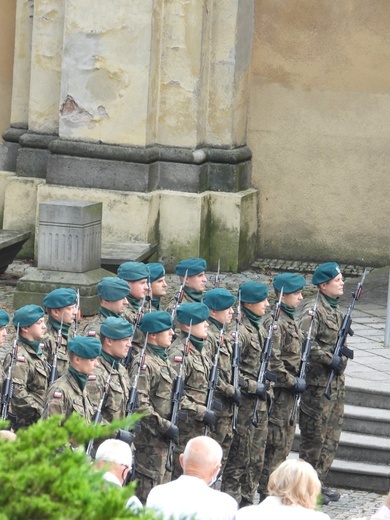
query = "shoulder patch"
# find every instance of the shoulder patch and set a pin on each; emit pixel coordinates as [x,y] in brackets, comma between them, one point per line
[22,359]
[144,367]
[92,377]
[92,333]
[57,395]
[42,345]
[178,359]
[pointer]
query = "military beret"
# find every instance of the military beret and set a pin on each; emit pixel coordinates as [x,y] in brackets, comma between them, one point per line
[156,270]
[194,266]
[60,298]
[112,288]
[154,322]
[219,299]
[253,292]
[4,318]
[325,272]
[28,315]
[116,328]
[195,312]
[133,271]
[86,347]
[290,282]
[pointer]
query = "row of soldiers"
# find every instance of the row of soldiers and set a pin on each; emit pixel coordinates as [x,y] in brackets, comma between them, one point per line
[205,353]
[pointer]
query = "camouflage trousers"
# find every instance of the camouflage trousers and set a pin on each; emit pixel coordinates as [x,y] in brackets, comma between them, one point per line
[246,455]
[150,469]
[223,433]
[280,434]
[320,422]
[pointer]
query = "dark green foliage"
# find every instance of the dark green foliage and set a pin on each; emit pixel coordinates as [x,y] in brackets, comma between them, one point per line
[41,477]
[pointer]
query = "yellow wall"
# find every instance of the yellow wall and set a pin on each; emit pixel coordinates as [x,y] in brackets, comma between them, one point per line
[7,37]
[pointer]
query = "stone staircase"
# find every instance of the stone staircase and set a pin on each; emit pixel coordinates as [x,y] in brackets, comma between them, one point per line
[363,457]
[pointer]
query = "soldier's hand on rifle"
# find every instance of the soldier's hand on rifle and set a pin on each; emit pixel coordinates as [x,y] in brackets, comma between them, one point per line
[299,385]
[210,419]
[125,436]
[261,391]
[236,397]
[172,433]
[337,364]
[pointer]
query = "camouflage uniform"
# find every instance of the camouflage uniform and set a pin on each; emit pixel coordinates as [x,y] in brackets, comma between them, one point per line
[65,397]
[224,392]
[130,315]
[246,456]
[287,342]
[30,379]
[155,385]
[321,419]
[50,340]
[93,327]
[114,406]
[195,379]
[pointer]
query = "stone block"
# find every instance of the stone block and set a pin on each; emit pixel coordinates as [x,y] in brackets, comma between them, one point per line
[69,236]
[8,154]
[32,162]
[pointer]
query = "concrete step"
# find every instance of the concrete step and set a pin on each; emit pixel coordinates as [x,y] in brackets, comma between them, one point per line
[369,421]
[368,397]
[357,447]
[115,253]
[11,243]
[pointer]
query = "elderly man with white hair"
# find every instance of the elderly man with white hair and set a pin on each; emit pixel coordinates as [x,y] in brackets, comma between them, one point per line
[116,458]
[190,496]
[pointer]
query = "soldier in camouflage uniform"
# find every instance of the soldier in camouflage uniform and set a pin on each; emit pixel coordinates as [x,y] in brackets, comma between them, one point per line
[246,456]
[287,348]
[158,284]
[136,274]
[195,374]
[29,375]
[321,419]
[220,302]
[4,320]
[112,292]
[60,306]
[155,386]
[68,394]
[115,336]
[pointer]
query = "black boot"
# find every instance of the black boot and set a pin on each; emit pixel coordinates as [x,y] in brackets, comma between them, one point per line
[333,495]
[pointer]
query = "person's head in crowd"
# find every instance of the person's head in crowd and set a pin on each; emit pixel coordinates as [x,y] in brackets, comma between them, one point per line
[202,458]
[4,320]
[83,351]
[296,483]
[7,435]
[328,278]
[194,315]
[157,280]
[114,456]
[220,302]
[254,298]
[115,336]
[112,292]
[292,285]
[31,322]
[159,327]
[136,274]
[60,305]
[196,273]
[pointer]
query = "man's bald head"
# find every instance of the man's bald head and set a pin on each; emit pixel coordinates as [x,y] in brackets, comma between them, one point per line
[202,456]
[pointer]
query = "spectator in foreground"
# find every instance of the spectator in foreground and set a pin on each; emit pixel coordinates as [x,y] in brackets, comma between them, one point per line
[293,488]
[190,495]
[383,512]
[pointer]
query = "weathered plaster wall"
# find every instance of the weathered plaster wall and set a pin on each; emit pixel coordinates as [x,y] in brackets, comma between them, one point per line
[7,38]
[319,129]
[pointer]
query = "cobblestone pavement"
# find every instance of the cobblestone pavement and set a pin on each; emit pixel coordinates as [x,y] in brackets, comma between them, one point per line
[353,503]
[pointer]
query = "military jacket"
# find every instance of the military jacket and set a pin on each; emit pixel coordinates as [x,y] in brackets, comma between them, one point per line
[93,327]
[30,380]
[130,315]
[326,325]
[50,340]
[286,348]
[114,406]
[172,303]
[65,397]
[195,373]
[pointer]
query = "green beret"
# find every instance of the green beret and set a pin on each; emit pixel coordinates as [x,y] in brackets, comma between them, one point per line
[133,271]
[290,282]
[154,322]
[112,289]
[156,270]
[326,272]
[253,292]
[60,298]
[28,315]
[86,347]
[192,265]
[195,312]
[4,318]
[219,299]
[116,328]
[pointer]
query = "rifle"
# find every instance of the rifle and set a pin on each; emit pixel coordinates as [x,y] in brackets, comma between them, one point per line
[98,413]
[8,386]
[149,295]
[76,319]
[126,361]
[217,281]
[133,398]
[213,381]
[180,294]
[264,374]
[176,398]
[345,329]
[305,358]
[236,360]
[53,370]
